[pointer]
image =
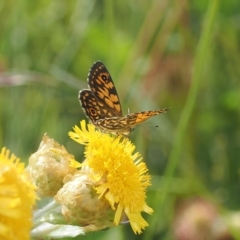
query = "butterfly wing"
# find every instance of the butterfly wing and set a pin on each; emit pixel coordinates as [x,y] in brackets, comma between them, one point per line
[115,125]
[124,125]
[102,86]
[93,108]
[139,117]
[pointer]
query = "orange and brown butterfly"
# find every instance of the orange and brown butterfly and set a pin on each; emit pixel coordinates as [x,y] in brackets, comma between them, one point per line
[102,105]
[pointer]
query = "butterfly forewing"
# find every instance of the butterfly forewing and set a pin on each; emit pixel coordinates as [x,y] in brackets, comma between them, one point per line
[101,84]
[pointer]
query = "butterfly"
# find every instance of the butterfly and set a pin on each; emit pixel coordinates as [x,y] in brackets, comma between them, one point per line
[102,105]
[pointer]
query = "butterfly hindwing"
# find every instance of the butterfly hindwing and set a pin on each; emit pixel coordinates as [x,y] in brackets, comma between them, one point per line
[94,109]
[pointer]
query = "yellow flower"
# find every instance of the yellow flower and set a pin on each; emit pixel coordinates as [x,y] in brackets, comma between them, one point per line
[120,175]
[17,196]
[49,165]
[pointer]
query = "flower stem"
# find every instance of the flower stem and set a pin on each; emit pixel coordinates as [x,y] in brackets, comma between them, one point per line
[41,212]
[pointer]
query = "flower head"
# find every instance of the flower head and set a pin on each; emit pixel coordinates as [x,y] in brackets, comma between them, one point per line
[81,205]
[17,196]
[120,175]
[49,165]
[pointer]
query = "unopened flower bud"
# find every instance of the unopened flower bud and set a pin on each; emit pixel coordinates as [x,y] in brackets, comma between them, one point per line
[81,204]
[49,165]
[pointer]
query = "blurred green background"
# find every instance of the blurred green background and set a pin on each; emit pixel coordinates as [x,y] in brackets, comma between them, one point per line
[159,56]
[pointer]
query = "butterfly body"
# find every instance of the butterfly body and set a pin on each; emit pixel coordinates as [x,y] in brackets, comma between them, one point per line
[102,105]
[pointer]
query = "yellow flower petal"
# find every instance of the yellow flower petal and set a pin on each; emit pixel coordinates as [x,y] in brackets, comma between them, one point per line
[17,196]
[82,135]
